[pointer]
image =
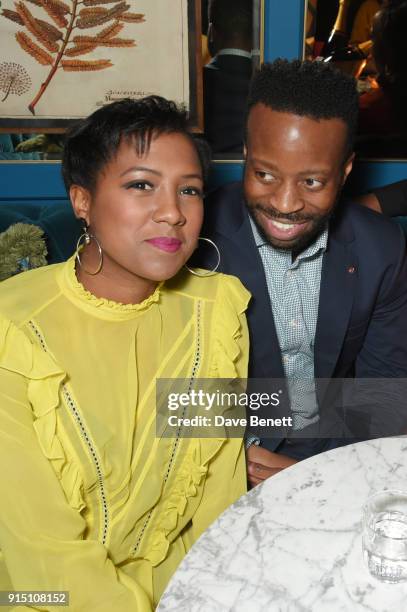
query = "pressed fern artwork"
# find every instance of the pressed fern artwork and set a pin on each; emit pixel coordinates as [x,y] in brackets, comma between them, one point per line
[66,31]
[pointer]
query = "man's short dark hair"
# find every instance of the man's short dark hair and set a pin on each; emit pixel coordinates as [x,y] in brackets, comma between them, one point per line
[94,141]
[309,89]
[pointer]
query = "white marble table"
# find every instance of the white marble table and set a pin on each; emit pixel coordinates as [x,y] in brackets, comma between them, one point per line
[294,543]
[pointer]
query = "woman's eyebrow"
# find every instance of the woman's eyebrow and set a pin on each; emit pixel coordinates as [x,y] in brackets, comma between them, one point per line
[157,173]
[142,168]
[191,176]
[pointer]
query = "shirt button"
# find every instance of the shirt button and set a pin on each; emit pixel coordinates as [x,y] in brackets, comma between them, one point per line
[286,358]
[293,323]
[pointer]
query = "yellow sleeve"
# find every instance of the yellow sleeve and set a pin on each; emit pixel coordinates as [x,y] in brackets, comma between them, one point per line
[225,482]
[226,478]
[230,335]
[41,535]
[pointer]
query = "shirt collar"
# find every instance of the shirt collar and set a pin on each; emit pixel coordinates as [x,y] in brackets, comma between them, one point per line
[320,243]
[232,51]
[258,238]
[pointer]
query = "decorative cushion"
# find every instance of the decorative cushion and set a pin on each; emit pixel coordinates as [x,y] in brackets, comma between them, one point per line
[57,220]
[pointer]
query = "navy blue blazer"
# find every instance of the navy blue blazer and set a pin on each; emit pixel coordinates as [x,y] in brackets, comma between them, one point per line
[362,318]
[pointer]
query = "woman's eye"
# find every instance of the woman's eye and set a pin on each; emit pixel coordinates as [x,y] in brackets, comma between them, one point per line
[313,183]
[267,177]
[192,191]
[140,185]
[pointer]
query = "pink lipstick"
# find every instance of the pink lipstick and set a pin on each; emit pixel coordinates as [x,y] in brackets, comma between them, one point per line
[170,245]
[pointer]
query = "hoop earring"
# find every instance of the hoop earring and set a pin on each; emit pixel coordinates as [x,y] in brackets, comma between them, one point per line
[84,240]
[208,272]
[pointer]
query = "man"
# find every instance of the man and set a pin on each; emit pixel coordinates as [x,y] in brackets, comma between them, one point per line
[227,76]
[329,280]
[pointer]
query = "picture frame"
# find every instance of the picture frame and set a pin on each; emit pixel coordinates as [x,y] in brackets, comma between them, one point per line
[103,41]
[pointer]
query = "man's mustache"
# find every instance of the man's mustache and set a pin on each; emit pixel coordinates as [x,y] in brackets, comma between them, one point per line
[271,213]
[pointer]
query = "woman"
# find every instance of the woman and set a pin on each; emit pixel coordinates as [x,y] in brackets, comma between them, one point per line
[92,502]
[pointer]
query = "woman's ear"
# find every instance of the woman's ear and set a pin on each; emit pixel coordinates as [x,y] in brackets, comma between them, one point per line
[80,200]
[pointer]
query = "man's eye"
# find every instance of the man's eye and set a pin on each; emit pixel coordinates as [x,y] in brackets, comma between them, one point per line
[313,183]
[267,177]
[192,191]
[140,185]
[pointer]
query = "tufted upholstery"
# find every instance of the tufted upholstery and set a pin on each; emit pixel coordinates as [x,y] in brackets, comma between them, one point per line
[60,226]
[56,219]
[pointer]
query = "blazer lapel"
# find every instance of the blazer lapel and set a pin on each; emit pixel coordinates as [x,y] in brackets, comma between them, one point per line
[247,265]
[338,283]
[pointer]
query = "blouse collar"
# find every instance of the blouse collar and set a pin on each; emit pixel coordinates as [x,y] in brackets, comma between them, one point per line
[78,292]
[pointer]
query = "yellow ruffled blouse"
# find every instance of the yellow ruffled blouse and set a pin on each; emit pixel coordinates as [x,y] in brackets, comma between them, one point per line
[92,502]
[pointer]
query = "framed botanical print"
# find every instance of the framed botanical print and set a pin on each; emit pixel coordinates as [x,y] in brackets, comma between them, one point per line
[62,59]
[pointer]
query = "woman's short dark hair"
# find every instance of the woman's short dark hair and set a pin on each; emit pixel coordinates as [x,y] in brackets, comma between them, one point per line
[94,141]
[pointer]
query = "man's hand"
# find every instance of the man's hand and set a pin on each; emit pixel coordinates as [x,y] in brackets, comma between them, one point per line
[262,463]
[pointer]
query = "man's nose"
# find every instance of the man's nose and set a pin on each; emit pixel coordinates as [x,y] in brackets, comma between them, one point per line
[286,199]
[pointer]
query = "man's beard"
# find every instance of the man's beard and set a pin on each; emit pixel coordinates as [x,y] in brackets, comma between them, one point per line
[318,223]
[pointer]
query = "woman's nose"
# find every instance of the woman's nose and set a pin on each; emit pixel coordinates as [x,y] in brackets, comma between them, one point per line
[168,208]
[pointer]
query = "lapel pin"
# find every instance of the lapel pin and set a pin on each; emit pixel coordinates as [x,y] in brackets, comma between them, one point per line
[351,269]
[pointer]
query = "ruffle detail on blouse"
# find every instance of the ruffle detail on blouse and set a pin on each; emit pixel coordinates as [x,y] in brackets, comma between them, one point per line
[104,303]
[232,300]
[44,378]
[188,484]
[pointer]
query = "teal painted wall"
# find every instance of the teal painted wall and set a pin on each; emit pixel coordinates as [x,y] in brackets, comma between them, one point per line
[283,38]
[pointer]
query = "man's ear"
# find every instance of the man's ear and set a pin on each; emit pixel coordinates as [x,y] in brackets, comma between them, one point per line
[80,200]
[347,167]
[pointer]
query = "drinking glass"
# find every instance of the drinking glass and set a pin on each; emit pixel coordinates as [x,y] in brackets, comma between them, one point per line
[385,535]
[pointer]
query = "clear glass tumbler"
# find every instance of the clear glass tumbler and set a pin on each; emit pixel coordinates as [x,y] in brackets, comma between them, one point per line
[385,535]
